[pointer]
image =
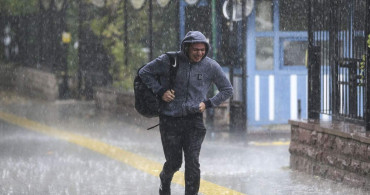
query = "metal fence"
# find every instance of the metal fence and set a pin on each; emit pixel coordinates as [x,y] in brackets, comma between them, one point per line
[17,38]
[338,59]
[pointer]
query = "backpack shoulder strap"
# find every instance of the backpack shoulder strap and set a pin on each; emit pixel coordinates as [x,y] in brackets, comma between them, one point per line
[172,55]
[173,67]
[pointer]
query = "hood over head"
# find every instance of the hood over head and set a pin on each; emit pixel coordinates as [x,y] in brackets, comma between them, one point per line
[194,37]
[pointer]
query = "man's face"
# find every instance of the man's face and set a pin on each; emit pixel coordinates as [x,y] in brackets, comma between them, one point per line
[197,51]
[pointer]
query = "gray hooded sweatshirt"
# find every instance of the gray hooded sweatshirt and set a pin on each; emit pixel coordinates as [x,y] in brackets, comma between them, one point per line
[192,82]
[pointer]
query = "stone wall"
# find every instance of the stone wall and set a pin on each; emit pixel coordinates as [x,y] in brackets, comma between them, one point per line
[7,76]
[340,152]
[36,83]
[118,101]
[113,100]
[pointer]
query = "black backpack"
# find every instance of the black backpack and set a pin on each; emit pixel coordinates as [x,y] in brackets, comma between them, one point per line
[146,102]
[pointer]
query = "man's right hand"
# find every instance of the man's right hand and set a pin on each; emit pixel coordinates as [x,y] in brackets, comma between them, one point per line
[168,96]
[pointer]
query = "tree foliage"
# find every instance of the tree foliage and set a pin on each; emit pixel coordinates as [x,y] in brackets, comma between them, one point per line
[110,27]
[18,7]
[107,21]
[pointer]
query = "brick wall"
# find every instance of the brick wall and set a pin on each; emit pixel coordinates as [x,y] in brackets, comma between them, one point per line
[340,152]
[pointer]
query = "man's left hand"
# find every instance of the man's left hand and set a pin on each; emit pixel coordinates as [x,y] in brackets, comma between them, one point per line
[202,107]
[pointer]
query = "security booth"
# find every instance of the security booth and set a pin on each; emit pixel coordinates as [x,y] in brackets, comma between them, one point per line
[262,45]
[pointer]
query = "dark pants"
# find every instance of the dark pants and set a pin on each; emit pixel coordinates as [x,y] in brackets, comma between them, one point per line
[180,134]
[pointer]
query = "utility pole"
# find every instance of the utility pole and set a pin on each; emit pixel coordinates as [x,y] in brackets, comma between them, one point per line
[237,71]
[150,30]
[80,28]
[244,67]
[125,42]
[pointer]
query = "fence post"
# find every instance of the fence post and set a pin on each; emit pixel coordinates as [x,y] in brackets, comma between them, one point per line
[314,87]
[367,100]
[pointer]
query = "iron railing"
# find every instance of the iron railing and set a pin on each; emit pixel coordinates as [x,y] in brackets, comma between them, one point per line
[18,39]
[338,59]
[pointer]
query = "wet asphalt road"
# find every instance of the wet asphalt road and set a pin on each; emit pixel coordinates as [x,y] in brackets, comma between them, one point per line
[34,162]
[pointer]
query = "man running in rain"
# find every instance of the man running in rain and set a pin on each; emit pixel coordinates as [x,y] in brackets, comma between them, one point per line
[181,111]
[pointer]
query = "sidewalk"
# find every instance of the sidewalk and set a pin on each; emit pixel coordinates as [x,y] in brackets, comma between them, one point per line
[251,163]
[268,132]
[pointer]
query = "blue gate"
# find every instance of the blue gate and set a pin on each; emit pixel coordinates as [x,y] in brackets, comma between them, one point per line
[277,75]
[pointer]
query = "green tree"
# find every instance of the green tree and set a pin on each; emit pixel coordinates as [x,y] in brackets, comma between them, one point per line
[107,22]
[18,7]
[110,25]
